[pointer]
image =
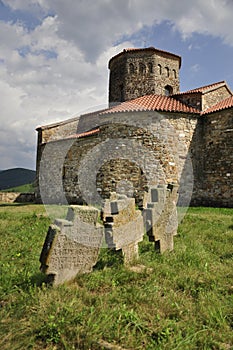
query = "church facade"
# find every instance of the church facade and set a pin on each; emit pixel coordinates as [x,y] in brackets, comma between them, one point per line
[152,134]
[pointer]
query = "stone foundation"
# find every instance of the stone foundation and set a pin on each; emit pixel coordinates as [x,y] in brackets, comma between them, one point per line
[16,197]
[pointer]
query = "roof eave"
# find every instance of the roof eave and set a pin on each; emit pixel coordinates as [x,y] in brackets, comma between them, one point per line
[145,49]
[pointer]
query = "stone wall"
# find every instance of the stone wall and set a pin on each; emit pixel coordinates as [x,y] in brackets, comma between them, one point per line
[138,73]
[16,197]
[191,99]
[57,131]
[131,151]
[165,137]
[214,186]
[203,101]
[211,98]
[57,180]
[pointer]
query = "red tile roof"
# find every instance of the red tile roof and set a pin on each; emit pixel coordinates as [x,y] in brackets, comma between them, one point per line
[206,88]
[151,48]
[152,103]
[83,134]
[227,103]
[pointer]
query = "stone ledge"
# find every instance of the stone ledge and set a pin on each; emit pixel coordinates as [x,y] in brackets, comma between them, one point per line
[17,197]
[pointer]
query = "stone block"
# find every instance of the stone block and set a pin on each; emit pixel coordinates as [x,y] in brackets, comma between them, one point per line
[123,225]
[160,216]
[72,247]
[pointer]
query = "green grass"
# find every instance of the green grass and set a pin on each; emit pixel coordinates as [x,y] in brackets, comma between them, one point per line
[181,300]
[28,188]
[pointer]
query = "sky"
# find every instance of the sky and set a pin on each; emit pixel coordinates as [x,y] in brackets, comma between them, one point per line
[54,56]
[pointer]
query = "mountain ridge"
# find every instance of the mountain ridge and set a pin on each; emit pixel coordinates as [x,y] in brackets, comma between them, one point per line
[16,177]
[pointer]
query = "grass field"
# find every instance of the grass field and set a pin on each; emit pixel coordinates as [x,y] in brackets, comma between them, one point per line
[28,188]
[180,300]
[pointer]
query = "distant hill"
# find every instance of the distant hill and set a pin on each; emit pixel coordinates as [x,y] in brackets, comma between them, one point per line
[16,177]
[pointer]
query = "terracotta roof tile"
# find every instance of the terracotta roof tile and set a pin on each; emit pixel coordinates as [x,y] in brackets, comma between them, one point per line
[206,88]
[152,103]
[83,134]
[227,103]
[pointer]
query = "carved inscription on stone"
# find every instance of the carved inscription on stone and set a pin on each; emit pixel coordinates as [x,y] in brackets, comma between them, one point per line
[72,247]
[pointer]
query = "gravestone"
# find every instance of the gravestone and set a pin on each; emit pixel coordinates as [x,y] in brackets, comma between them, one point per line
[123,225]
[160,216]
[72,246]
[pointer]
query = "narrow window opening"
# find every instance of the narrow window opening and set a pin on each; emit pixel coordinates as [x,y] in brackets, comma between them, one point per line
[150,67]
[142,68]
[131,68]
[160,69]
[167,71]
[168,90]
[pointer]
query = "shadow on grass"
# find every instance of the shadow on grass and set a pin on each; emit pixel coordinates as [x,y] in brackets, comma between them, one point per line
[226,256]
[38,280]
[231,227]
[109,258]
[2,205]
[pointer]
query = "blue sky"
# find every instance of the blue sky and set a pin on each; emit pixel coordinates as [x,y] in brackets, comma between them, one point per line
[54,56]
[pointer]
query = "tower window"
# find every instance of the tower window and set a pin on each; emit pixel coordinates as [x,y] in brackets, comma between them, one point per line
[168,90]
[167,71]
[142,68]
[160,69]
[131,68]
[174,73]
[150,67]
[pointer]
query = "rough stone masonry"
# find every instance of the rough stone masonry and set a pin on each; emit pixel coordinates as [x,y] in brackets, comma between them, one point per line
[151,135]
[72,246]
[144,88]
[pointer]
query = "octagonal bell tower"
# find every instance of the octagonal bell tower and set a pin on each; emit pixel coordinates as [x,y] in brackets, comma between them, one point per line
[145,71]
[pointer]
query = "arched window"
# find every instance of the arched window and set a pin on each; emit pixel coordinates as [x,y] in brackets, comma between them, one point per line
[174,73]
[167,71]
[150,67]
[160,69]
[131,68]
[168,90]
[142,68]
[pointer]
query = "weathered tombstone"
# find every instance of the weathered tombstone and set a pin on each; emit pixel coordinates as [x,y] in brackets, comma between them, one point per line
[72,246]
[123,225]
[160,216]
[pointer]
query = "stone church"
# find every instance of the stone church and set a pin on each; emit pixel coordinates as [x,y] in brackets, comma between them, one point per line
[151,134]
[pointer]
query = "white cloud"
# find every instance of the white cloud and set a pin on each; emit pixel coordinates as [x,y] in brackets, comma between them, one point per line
[34,6]
[212,17]
[59,68]
[95,25]
[195,68]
